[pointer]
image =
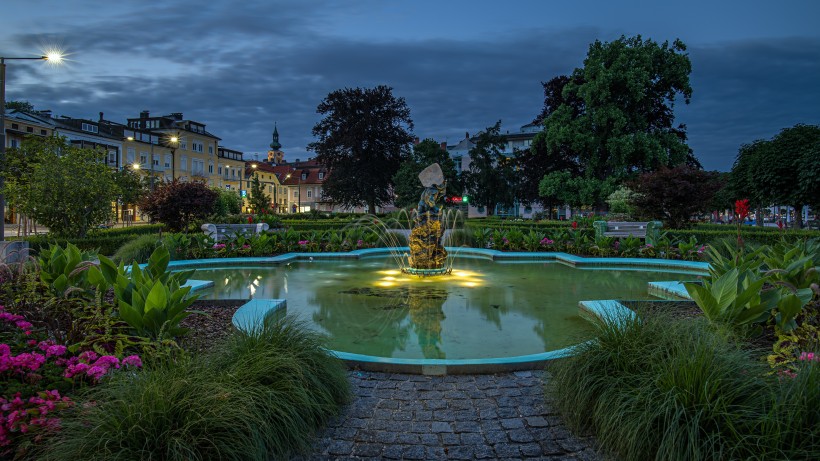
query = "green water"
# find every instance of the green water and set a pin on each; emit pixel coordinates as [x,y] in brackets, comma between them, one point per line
[482,310]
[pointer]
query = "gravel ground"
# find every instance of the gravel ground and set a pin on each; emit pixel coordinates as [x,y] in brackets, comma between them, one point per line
[211,327]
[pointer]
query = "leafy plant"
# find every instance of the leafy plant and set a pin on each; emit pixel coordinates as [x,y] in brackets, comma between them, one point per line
[532,240]
[734,298]
[152,300]
[63,270]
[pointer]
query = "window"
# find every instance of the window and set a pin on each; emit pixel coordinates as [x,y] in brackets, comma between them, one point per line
[30,129]
[211,150]
[14,143]
[211,168]
[304,176]
[220,170]
[155,159]
[197,146]
[15,126]
[321,175]
[112,157]
[183,143]
[130,155]
[183,163]
[143,158]
[167,160]
[90,128]
[308,193]
[43,132]
[295,193]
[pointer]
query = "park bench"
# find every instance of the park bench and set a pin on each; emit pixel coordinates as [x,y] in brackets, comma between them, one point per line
[643,230]
[223,231]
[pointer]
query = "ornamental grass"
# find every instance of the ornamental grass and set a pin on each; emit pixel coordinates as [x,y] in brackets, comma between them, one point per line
[260,395]
[654,387]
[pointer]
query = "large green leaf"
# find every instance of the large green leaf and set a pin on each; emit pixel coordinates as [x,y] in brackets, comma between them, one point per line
[704,299]
[157,297]
[724,290]
[130,316]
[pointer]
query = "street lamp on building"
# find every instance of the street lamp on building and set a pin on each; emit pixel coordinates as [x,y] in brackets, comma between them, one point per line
[54,57]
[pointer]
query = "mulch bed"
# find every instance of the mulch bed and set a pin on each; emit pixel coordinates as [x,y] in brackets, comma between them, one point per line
[211,327]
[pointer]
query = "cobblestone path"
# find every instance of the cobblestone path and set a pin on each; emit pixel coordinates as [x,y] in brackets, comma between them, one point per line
[399,416]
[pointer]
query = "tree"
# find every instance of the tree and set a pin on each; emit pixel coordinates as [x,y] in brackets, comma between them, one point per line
[616,113]
[227,203]
[622,201]
[490,179]
[407,186]
[362,139]
[784,170]
[675,193]
[177,203]
[577,191]
[20,106]
[65,188]
[258,200]
[130,187]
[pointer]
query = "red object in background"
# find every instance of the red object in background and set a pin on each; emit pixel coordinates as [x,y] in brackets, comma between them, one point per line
[456,200]
[250,219]
[575,224]
[742,209]
[780,225]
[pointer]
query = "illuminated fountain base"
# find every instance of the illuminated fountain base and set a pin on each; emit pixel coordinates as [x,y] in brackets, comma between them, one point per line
[427,272]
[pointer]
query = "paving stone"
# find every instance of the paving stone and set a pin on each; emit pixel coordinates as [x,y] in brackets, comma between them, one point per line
[408,439]
[444,415]
[435,453]
[550,447]
[506,450]
[434,404]
[484,452]
[495,437]
[450,439]
[512,423]
[385,437]
[430,439]
[536,421]
[340,447]
[472,438]
[420,427]
[507,413]
[414,452]
[393,451]
[491,425]
[521,436]
[423,415]
[530,449]
[388,404]
[441,426]
[461,452]
[466,415]
[467,426]
[367,450]
[571,444]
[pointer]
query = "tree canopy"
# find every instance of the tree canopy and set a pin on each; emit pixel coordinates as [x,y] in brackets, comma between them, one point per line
[363,139]
[782,171]
[491,178]
[177,203]
[614,118]
[258,200]
[66,188]
[408,188]
[22,106]
[675,194]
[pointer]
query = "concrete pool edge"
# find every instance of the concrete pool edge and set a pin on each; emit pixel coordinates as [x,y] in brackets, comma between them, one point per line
[599,308]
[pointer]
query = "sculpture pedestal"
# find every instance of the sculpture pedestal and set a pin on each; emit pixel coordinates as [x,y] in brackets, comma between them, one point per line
[427,256]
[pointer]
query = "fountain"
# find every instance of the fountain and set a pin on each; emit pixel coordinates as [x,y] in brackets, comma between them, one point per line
[427,255]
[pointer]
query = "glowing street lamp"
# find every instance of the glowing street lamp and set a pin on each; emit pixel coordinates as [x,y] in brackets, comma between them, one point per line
[54,57]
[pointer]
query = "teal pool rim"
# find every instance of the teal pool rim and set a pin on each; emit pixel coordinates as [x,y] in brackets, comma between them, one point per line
[461,366]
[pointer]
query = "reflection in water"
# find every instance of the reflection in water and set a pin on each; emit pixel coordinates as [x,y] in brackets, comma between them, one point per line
[483,309]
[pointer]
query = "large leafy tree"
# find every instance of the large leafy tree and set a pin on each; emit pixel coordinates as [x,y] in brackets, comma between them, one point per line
[22,106]
[615,115]
[577,191]
[178,203]
[65,188]
[363,139]
[491,177]
[675,194]
[407,186]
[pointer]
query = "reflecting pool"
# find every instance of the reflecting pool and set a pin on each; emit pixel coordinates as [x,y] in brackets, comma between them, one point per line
[483,309]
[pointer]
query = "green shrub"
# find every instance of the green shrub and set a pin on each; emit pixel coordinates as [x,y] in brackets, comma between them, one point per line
[132,230]
[261,395]
[104,244]
[138,249]
[659,388]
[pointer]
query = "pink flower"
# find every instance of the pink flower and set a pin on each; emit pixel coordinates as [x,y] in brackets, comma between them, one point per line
[55,350]
[132,361]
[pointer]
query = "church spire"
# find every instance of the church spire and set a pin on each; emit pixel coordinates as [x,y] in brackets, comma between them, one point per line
[275,145]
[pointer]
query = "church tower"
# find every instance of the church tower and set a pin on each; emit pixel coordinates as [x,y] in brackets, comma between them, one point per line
[275,154]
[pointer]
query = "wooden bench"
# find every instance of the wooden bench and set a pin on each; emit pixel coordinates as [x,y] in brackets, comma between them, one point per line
[643,230]
[223,231]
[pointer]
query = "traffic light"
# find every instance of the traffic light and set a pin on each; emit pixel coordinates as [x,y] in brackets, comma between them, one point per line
[465,199]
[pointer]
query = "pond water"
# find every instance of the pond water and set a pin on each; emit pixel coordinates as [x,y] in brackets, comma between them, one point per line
[483,309]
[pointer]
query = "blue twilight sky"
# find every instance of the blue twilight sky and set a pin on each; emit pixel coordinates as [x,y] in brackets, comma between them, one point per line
[240,66]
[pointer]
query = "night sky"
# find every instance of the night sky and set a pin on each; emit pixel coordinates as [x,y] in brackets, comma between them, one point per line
[240,66]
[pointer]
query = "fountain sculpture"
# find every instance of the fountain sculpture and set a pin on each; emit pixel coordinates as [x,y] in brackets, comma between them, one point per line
[427,255]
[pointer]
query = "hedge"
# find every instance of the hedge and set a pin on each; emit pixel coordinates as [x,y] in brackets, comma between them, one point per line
[106,245]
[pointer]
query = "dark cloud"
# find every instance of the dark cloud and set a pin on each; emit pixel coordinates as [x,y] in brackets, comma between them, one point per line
[239,70]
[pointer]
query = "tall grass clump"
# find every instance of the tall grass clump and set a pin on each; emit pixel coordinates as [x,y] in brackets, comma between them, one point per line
[652,387]
[138,250]
[260,395]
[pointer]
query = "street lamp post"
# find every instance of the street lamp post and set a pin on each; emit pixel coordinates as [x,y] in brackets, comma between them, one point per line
[53,57]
